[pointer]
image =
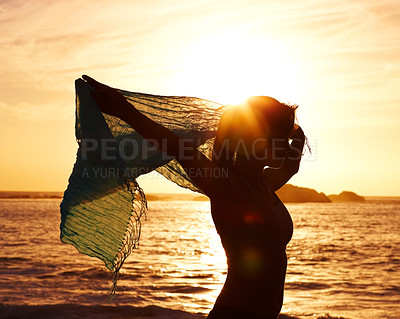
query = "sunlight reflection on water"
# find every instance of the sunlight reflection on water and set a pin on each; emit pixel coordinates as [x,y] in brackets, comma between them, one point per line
[343,260]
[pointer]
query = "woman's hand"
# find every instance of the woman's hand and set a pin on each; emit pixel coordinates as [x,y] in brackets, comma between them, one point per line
[296,133]
[108,99]
[296,147]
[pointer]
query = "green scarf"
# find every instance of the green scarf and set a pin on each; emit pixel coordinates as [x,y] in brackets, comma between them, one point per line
[103,204]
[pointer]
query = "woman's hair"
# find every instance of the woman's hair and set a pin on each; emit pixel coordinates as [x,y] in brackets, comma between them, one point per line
[257,112]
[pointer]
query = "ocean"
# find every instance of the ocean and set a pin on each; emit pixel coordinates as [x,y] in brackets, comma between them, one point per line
[343,262]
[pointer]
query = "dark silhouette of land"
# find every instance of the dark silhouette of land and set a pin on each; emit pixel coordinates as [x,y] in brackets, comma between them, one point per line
[288,194]
[27,195]
[346,196]
[295,194]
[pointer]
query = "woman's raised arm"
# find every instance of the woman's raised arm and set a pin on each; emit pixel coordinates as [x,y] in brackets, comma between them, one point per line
[276,178]
[197,166]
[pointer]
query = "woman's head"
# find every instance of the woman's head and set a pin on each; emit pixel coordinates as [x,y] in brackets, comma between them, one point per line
[277,117]
[260,127]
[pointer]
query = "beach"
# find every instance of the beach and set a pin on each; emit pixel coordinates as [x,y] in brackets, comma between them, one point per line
[342,263]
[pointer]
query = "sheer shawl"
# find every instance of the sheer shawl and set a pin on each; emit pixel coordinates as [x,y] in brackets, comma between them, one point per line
[103,204]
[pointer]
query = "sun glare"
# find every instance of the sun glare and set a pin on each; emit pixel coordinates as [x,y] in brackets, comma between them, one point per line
[230,67]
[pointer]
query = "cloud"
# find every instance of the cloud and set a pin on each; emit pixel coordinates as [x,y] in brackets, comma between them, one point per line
[46,45]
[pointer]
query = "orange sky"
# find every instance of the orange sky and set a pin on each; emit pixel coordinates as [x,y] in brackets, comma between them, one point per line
[339,60]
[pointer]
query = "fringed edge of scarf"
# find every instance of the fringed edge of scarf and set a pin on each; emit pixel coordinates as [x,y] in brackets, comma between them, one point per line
[132,235]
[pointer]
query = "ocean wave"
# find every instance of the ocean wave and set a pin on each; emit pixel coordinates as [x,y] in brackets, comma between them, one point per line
[82,311]
[13,260]
[71,311]
[306,285]
[187,289]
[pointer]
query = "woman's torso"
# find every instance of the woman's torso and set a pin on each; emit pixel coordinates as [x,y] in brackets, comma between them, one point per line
[255,228]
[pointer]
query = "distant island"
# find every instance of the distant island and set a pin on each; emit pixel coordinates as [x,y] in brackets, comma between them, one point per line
[346,196]
[27,195]
[295,194]
[288,194]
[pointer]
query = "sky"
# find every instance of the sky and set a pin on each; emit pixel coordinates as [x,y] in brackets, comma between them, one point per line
[338,60]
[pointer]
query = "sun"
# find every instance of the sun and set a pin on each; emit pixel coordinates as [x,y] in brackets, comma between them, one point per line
[231,66]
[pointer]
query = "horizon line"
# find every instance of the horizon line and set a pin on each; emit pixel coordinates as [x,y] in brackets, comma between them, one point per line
[185,192]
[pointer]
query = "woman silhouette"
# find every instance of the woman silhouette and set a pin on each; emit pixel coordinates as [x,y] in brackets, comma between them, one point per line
[253,224]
